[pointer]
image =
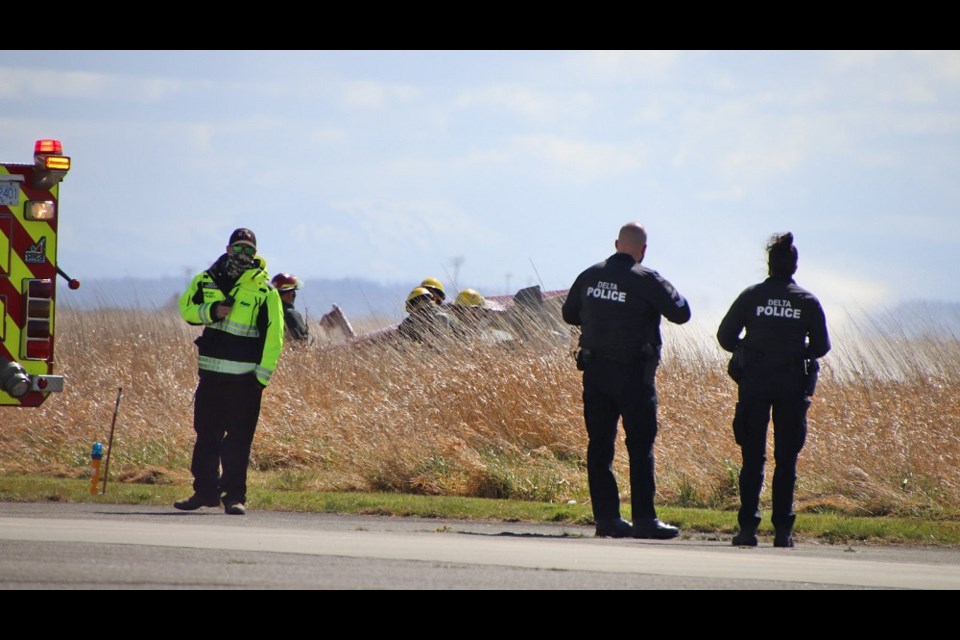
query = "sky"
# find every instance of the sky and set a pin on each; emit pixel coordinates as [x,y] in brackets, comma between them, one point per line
[502,169]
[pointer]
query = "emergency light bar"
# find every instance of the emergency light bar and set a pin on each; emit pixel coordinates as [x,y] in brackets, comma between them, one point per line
[56,163]
[51,164]
[48,146]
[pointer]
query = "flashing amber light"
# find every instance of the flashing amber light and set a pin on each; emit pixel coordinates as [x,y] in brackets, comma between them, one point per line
[48,146]
[56,163]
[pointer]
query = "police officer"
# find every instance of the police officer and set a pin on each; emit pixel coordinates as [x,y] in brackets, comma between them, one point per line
[242,337]
[775,367]
[287,285]
[618,304]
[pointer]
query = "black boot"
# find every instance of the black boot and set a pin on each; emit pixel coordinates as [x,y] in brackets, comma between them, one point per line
[746,537]
[655,530]
[195,501]
[613,528]
[783,538]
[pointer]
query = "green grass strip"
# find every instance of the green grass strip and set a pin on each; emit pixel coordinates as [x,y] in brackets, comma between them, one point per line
[827,528]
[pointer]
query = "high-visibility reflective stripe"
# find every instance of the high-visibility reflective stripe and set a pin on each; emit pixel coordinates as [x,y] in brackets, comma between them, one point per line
[204,313]
[237,329]
[264,374]
[226,366]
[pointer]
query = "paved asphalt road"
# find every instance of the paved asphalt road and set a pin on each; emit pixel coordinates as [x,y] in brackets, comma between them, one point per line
[84,546]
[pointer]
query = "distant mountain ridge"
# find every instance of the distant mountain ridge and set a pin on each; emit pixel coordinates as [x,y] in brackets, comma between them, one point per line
[358,298]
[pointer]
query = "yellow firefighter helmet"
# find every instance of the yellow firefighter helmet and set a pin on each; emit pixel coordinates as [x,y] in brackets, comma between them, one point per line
[435,287]
[416,296]
[469,298]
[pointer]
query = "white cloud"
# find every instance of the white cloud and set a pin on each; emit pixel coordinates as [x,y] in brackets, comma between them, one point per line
[945,64]
[323,135]
[649,115]
[26,84]
[918,78]
[734,193]
[933,230]
[746,144]
[366,94]
[847,60]
[528,103]
[567,159]
[396,231]
[29,84]
[838,290]
[623,66]
[586,159]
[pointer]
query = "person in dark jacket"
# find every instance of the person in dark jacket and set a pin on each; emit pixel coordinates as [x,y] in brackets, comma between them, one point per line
[239,348]
[775,366]
[287,285]
[618,304]
[426,323]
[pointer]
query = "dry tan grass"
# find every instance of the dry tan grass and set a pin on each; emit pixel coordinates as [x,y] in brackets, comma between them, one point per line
[494,421]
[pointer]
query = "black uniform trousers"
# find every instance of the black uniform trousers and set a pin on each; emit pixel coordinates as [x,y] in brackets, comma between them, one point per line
[611,390]
[782,390]
[225,416]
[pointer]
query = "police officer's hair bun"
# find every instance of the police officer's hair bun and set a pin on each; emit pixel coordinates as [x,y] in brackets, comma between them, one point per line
[781,240]
[782,255]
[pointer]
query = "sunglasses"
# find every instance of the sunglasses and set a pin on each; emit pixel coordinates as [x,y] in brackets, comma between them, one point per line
[244,248]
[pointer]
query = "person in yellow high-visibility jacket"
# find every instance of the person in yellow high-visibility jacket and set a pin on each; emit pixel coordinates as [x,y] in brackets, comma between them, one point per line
[242,318]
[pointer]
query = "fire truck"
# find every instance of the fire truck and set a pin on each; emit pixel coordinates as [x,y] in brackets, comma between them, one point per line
[29,211]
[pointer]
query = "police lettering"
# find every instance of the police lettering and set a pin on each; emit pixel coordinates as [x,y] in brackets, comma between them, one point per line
[607,291]
[778,309]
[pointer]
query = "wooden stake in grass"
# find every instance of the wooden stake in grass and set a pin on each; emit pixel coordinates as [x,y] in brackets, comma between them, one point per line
[113,423]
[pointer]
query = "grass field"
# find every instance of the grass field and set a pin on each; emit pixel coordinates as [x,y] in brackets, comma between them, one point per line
[495,421]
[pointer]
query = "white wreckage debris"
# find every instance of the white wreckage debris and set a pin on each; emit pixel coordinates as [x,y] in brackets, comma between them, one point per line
[528,316]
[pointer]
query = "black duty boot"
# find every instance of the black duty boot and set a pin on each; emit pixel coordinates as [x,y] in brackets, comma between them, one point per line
[195,501]
[234,509]
[746,537]
[783,538]
[613,528]
[654,529]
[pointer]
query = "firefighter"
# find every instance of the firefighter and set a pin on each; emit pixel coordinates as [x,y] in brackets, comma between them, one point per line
[618,304]
[242,319]
[287,285]
[435,287]
[425,322]
[470,307]
[470,311]
[774,365]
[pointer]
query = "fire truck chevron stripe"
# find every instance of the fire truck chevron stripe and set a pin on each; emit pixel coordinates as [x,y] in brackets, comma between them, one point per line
[29,240]
[29,251]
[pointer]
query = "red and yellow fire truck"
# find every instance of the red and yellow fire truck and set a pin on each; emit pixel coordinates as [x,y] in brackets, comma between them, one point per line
[29,211]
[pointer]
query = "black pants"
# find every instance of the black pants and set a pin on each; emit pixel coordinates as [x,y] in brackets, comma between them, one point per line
[760,391]
[612,390]
[225,414]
